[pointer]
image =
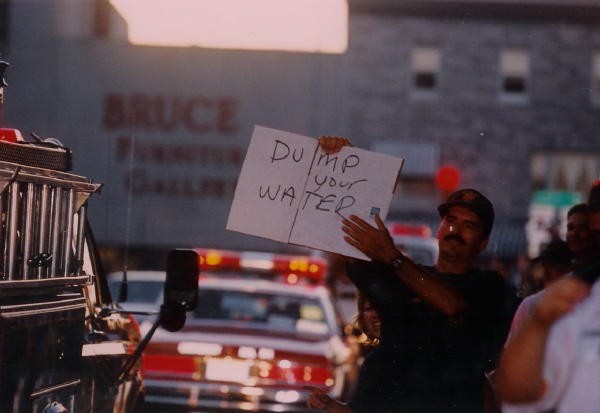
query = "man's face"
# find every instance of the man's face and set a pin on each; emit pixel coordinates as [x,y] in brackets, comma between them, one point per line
[460,235]
[578,233]
[595,226]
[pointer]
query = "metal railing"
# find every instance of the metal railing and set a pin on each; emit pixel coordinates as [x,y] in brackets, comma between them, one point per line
[42,222]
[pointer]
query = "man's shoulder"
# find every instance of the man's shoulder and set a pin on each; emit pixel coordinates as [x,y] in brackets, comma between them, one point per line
[485,273]
[476,275]
[488,276]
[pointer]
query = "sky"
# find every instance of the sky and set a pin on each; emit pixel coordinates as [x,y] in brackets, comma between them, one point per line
[300,25]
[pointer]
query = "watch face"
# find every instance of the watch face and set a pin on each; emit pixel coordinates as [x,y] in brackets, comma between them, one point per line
[397,262]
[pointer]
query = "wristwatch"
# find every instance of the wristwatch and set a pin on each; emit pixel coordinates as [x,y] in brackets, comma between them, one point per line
[397,262]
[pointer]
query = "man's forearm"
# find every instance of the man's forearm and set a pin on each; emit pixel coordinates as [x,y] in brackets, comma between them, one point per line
[436,293]
[519,377]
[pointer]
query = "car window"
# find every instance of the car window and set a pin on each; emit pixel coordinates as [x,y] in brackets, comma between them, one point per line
[273,311]
[146,291]
[421,255]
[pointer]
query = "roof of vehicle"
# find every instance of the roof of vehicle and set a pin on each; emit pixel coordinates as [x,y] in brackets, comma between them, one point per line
[258,285]
[139,275]
[261,286]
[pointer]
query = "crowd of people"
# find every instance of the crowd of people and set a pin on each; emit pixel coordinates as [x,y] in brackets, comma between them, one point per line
[443,339]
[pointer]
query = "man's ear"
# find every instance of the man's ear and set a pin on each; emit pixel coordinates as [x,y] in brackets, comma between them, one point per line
[437,234]
[483,244]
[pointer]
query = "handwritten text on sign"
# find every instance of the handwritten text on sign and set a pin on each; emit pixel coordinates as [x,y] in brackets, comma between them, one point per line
[321,192]
[289,190]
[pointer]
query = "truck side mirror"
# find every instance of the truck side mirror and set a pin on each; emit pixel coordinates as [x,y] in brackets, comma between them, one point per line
[181,288]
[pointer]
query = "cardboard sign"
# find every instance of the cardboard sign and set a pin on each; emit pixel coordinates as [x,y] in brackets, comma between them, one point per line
[291,191]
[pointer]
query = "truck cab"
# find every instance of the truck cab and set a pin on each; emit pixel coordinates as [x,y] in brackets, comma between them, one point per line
[61,346]
[65,346]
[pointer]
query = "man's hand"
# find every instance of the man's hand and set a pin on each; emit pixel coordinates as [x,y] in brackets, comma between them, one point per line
[375,243]
[333,144]
[320,400]
[558,299]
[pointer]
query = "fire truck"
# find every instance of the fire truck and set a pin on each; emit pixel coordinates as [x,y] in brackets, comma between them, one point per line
[64,344]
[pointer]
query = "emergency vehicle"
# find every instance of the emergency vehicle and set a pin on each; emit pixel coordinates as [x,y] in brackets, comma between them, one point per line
[64,345]
[416,241]
[265,328]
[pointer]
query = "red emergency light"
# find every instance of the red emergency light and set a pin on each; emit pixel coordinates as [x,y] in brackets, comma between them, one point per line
[397,228]
[291,269]
[10,135]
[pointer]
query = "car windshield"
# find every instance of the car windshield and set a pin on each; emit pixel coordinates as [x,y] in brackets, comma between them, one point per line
[286,313]
[143,292]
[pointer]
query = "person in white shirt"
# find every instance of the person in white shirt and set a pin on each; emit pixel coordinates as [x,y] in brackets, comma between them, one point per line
[553,363]
[555,259]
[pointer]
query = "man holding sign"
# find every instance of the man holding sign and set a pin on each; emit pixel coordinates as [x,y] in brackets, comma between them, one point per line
[439,324]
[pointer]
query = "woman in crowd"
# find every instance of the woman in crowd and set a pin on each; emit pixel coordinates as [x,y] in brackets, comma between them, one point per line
[369,323]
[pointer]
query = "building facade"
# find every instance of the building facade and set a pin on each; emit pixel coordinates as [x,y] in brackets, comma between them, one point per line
[505,93]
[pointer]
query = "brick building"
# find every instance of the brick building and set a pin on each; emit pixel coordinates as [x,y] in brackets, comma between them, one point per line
[506,92]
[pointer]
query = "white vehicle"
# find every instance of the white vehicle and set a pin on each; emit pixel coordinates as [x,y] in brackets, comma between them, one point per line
[143,289]
[252,343]
[415,241]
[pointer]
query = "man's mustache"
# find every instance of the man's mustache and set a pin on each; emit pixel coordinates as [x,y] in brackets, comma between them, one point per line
[455,237]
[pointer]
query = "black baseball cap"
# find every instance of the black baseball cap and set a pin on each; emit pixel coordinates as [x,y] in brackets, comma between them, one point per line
[474,201]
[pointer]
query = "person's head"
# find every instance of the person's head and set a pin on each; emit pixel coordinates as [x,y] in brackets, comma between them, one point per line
[579,238]
[368,319]
[556,260]
[467,220]
[594,210]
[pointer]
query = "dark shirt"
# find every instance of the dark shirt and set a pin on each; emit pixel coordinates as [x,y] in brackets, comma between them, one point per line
[426,361]
[367,390]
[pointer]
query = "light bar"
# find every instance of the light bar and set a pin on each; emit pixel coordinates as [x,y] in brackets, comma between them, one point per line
[200,349]
[397,228]
[294,268]
[257,261]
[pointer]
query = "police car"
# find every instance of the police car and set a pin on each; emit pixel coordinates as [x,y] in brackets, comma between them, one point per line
[264,329]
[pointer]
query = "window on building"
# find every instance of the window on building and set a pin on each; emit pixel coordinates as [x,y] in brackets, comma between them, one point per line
[560,179]
[564,171]
[514,74]
[595,79]
[425,63]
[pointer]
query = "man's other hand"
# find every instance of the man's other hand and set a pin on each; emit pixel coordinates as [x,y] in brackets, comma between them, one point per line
[375,242]
[333,144]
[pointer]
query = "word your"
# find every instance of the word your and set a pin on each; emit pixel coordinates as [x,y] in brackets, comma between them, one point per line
[331,187]
[196,114]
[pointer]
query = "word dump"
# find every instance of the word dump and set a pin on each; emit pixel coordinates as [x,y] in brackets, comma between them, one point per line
[282,193]
[328,187]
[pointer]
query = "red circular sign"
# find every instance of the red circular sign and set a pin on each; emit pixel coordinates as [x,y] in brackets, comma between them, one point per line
[447,178]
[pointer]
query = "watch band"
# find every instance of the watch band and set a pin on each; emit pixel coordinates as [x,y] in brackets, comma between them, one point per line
[397,262]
